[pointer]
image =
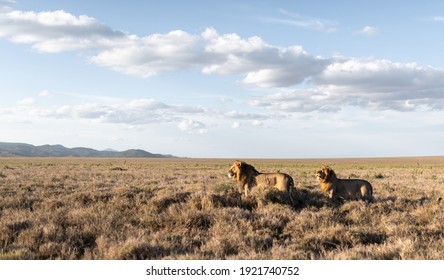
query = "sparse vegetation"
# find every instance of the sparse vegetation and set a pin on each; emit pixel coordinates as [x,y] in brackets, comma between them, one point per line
[56,208]
[378,176]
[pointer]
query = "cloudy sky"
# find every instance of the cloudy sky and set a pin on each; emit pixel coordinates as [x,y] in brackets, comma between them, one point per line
[238,79]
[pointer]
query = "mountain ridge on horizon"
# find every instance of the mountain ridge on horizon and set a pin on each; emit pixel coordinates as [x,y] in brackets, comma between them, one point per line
[27,150]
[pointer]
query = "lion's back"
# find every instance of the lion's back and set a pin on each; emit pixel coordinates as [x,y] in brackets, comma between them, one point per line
[281,181]
[356,188]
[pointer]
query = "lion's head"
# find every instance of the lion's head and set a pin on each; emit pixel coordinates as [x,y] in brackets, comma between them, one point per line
[325,174]
[235,170]
[243,173]
[240,169]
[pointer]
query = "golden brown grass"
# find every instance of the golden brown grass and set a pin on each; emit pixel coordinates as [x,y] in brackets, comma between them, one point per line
[187,209]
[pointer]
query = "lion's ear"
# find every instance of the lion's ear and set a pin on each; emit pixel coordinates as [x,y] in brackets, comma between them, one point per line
[238,163]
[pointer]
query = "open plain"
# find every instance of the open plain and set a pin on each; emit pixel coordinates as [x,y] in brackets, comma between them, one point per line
[89,208]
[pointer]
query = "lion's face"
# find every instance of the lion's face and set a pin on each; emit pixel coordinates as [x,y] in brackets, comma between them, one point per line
[235,169]
[323,174]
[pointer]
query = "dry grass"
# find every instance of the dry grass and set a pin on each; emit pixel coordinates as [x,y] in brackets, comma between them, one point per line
[187,209]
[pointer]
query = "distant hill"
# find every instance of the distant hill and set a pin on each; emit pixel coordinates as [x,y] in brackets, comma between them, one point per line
[27,150]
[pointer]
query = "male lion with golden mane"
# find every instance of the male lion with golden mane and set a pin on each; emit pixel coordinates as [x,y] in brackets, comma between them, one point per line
[348,189]
[248,177]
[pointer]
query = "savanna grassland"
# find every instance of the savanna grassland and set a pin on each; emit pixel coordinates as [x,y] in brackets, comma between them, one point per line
[82,208]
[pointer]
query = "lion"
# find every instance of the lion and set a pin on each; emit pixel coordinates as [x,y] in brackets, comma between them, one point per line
[248,177]
[347,189]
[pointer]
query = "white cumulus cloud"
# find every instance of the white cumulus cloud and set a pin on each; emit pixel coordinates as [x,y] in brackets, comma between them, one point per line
[192,126]
[45,93]
[26,102]
[369,30]
[366,83]
[235,125]
[260,63]
[151,55]
[57,31]
[308,82]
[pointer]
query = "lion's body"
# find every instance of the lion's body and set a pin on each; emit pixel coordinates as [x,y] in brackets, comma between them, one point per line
[248,177]
[280,181]
[348,189]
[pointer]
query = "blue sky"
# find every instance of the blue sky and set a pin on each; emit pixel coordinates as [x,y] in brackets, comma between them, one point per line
[237,79]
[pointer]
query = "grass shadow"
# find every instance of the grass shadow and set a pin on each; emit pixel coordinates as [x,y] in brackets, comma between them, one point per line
[163,203]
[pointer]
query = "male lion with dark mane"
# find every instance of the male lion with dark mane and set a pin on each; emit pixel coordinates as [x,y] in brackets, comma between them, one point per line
[248,177]
[348,189]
